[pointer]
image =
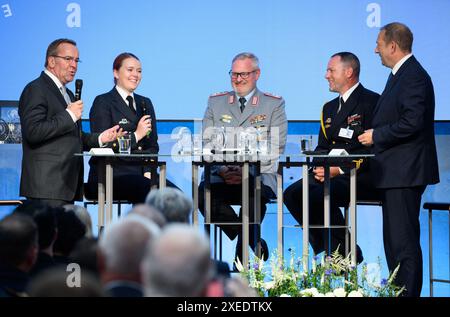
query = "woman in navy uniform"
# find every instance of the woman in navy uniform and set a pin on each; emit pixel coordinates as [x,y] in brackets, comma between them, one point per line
[134,113]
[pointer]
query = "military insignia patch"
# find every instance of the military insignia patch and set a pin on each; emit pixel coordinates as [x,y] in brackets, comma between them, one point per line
[328,121]
[123,121]
[352,118]
[226,118]
[258,118]
[254,100]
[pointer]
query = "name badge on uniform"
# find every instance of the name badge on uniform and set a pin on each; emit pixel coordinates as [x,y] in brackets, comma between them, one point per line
[346,133]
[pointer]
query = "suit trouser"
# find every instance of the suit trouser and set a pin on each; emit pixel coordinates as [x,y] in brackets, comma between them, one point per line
[339,197]
[401,235]
[222,197]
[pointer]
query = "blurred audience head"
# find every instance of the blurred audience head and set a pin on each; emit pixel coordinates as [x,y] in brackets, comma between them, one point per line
[122,247]
[70,231]
[53,283]
[85,254]
[83,215]
[172,203]
[150,213]
[45,219]
[18,242]
[177,263]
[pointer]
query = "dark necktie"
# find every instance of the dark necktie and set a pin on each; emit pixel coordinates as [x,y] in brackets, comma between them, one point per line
[130,104]
[242,101]
[341,104]
[389,81]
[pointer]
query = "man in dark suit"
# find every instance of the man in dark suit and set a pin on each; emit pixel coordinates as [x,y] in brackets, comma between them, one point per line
[135,114]
[50,122]
[343,119]
[405,152]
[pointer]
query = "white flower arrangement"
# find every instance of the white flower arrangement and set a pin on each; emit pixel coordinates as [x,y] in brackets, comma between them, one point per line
[335,276]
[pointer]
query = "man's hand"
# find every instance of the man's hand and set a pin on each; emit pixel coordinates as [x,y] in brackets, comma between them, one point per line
[111,134]
[76,108]
[231,174]
[319,172]
[366,138]
[144,126]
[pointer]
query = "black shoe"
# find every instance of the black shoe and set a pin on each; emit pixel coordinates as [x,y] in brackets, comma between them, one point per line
[359,255]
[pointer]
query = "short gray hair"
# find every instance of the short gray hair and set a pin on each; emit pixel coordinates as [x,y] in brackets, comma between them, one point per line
[177,263]
[172,203]
[124,242]
[246,55]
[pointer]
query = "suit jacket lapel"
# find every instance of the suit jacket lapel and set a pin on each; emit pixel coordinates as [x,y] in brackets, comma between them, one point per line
[54,89]
[139,101]
[393,82]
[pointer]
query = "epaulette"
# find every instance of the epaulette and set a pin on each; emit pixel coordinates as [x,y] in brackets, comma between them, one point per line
[271,95]
[217,94]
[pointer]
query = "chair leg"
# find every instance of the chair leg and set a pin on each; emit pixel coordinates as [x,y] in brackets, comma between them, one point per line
[347,234]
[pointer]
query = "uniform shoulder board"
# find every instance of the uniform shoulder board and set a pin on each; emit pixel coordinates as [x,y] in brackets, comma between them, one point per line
[271,95]
[217,94]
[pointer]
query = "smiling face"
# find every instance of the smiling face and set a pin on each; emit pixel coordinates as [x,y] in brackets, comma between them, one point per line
[385,50]
[64,63]
[337,75]
[242,86]
[129,74]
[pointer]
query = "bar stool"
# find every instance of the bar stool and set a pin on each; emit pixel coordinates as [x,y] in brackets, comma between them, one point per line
[92,200]
[360,202]
[435,206]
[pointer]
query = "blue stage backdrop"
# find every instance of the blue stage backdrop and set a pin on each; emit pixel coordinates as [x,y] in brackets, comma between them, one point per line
[186,49]
[186,46]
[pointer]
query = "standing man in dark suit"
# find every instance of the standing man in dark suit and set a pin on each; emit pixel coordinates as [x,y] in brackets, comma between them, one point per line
[405,152]
[135,114]
[51,130]
[343,119]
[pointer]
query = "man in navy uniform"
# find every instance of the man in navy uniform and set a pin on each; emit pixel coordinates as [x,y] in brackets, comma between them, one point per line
[405,152]
[343,119]
[246,107]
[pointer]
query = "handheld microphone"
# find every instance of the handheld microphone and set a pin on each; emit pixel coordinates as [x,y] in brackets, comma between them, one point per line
[145,112]
[356,125]
[78,86]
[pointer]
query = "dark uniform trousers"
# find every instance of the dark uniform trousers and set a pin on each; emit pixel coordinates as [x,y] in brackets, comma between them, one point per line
[339,197]
[223,196]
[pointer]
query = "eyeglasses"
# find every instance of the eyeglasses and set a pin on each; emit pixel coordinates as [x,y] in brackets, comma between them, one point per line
[244,75]
[69,58]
